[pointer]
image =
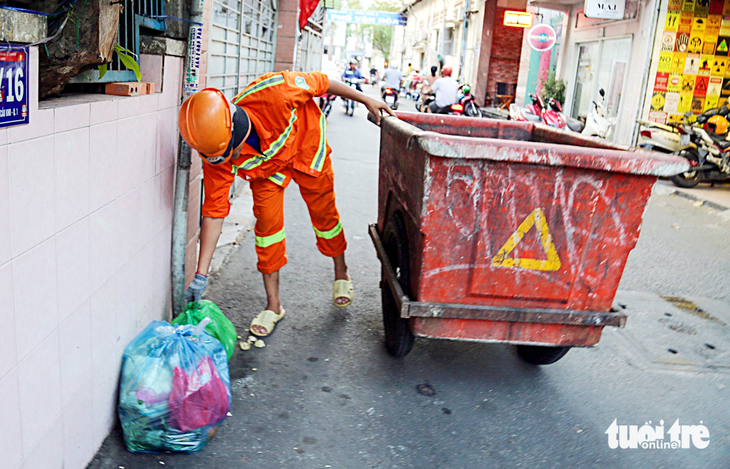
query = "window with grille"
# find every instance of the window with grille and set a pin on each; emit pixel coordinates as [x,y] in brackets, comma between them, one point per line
[146,16]
[242,43]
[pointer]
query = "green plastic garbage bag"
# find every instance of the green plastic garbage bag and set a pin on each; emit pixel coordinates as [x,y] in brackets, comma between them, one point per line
[220,327]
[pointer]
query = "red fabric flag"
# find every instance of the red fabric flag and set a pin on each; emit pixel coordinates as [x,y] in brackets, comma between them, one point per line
[306,8]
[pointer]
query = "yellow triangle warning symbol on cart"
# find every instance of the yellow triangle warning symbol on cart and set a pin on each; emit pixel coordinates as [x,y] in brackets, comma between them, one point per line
[536,219]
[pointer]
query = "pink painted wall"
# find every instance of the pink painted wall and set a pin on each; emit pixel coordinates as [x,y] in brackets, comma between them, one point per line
[86,194]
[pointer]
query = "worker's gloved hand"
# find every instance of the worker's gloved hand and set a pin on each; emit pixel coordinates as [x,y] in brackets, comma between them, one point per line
[196,289]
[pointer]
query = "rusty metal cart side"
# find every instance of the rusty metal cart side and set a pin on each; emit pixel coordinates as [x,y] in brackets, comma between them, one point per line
[505,232]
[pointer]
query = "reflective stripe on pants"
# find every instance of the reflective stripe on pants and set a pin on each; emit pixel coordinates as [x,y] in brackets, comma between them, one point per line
[318,193]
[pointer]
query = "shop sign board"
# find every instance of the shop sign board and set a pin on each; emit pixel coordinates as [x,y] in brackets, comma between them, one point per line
[14,102]
[605,9]
[541,37]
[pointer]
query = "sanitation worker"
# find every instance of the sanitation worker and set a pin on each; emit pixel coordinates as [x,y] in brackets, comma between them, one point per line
[270,134]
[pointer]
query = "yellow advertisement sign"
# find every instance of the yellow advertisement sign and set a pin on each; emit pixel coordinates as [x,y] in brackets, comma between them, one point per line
[678,59]
[672,22]
[688,5]
[706,64]
[695,43]
[674,85]
[665,62]
[709,46]
[685,103]
[685,22]
[675,118]
[719,65]
[692,64]
[711,102]
[688,84]
[699,25]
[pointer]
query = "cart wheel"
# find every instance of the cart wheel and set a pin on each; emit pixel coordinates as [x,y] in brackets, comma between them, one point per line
[539,355]
[398,335]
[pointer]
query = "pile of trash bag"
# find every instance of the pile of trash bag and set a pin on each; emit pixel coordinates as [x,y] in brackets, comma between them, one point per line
[175,388]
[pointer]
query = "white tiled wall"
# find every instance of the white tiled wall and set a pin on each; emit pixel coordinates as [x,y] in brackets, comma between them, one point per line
[85,225]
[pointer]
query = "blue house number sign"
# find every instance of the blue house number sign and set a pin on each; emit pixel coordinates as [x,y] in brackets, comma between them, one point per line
[14,102]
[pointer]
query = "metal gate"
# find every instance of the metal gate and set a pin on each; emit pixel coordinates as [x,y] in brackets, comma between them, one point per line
[242,43]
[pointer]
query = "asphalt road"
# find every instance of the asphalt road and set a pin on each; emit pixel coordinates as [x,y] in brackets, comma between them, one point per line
[324,393]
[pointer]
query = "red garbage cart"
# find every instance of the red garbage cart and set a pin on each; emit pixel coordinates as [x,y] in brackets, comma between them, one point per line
[500,231]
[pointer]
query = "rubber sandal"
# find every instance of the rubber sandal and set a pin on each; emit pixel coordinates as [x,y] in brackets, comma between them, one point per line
[266,319]
[342,289]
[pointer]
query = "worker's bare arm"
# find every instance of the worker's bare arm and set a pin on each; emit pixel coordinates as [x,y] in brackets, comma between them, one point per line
[375,106]
[210,231]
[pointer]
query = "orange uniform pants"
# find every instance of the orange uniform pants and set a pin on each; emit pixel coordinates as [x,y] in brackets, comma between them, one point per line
[268,208]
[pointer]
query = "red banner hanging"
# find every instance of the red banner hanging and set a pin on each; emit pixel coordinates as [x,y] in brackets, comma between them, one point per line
[306,8]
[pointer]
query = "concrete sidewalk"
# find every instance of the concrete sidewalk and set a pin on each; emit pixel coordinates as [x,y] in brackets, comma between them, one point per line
[236,225]
[716,197]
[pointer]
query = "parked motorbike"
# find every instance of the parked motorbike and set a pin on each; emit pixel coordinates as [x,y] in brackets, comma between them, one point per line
[325,103]
[349,103]
[390,96]
[530,113]
[707,152]
[466,99]
[597,125]
[553,115]
[666,138]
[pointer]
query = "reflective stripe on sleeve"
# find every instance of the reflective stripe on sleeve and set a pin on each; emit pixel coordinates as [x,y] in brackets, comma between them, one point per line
[331,233]
[266,241]
[278,178]
[271,81]
[318,160]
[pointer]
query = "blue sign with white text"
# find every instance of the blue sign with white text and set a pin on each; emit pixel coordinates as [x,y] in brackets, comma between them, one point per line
[14,102]
[382,18]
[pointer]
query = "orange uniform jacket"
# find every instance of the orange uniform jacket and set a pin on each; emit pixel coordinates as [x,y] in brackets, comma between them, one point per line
[292,131]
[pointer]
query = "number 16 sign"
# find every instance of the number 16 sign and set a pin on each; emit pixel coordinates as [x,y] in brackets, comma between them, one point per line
[14,102]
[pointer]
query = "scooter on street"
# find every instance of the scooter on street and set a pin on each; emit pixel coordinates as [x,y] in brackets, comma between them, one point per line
[349,103]
[707,152]
[466,99]
[424,101]
[390,96]
[325,103]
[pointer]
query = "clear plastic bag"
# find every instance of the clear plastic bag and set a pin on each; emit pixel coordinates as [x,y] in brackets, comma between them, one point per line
[175,389]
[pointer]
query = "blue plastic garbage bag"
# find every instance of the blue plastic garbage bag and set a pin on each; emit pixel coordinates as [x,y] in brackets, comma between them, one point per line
[175,389]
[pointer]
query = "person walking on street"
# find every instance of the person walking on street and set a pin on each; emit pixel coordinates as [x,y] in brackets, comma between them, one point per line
[446,90]
[271,133]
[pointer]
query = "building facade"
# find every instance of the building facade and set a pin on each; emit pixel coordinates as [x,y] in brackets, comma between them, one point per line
[609,55]
[468,36]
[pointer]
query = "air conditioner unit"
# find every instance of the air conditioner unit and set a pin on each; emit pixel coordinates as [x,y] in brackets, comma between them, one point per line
[422,36]
[459,14]
[450,15]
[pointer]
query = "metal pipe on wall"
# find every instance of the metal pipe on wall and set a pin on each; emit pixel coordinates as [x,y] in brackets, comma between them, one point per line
[647,69]
[182,183]
[464,32]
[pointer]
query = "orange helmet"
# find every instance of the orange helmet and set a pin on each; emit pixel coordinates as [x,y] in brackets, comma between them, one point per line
[212,125]
[717,124]
[446,71]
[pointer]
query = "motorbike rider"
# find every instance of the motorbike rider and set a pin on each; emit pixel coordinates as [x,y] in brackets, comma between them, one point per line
[446,90]
[392,78]
[373,74]
[353,73]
